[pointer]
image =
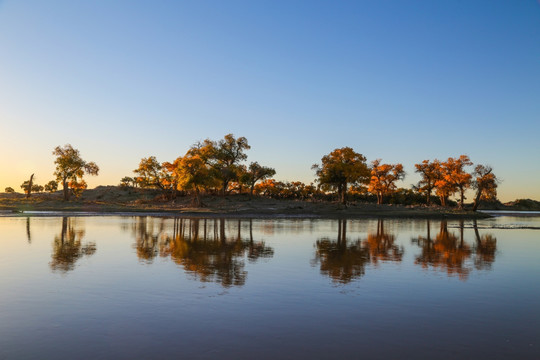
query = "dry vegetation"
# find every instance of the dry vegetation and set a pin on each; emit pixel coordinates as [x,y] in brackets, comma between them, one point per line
[114,199]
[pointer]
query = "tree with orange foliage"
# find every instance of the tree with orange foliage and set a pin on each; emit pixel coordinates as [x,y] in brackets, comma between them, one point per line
[254,173]
[485,183]
[383,178]
[430,174]
[455,174]
[341,168]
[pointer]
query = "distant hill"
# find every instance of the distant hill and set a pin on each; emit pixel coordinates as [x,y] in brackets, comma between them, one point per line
[524,205]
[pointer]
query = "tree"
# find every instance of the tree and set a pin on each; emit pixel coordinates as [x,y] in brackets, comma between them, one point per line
[455,174]
[149,173]
[70,168]
[225,156]
[51,186]
[27,186]
[485,183]
[443,187]
[193,173]
[254,173]
[341,168]
[383,178]
[430,173]
[37,188]
[9,190]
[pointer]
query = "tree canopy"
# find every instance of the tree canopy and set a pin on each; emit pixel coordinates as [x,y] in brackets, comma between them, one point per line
[341,168]
[70,169]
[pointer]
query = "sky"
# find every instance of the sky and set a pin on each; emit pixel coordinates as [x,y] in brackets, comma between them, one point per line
[398,80]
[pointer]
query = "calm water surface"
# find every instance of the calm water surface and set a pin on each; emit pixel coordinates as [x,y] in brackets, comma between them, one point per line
[149,287]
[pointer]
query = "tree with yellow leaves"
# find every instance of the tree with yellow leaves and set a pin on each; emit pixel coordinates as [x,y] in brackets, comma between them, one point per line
[384,178]
[70,168]
[194,173]
[341,168]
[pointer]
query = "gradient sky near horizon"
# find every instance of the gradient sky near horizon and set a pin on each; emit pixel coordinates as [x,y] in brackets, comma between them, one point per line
[398,80]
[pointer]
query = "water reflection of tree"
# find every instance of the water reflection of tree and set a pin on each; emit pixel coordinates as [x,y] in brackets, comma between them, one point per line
[203,248]
[68,247]
[344,260]
[451,253]
[381,245]
[485,249]
[147,231]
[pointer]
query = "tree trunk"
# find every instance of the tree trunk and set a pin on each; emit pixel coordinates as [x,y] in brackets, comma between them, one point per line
[462,198]
[66,189]
[443,200]
[197,200]
[379,198]
[477,199]
[29,190]
[224,188]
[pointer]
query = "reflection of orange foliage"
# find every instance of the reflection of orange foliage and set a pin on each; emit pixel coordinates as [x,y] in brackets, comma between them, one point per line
[344,260]
[381,246]
[450,252]
[202,249]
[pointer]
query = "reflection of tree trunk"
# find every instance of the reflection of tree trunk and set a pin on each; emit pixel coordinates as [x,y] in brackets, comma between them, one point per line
[64,229]
[222,230]
[476,233]
[195,229]
[239,235]
[28,235]
[342,231]
[428,239]
[461,227]
[444,227]
[251,230]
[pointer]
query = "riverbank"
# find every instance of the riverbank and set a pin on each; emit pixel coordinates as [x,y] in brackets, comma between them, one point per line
[116,202]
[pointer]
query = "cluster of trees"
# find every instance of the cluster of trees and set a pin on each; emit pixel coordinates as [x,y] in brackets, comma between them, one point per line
[447,178]
[219,167]
[50,187]
[345,169]
[208,166]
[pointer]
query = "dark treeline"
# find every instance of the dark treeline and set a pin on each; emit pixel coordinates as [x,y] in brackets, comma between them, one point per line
[220,167]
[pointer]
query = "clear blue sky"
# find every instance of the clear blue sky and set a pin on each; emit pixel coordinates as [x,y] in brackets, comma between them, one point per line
[398,80]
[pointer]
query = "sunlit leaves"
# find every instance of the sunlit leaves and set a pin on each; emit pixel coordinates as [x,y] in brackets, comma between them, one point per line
[341,168]
[70,168]
[383,178]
